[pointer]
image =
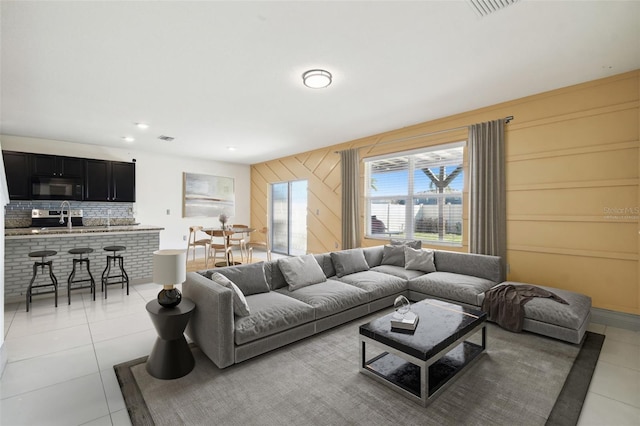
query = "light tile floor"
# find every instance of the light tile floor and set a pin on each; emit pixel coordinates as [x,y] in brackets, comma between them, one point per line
[60,362]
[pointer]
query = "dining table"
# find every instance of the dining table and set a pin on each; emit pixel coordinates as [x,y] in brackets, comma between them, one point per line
[234,230]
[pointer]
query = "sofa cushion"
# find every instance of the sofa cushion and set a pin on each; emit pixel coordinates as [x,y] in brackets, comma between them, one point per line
[329,297]
[324,260]
[373,255]
[301,271]
[249,278]
[376,284]
[415,244]
[477,265]
[419,260]
[393,255]
[398,271]
[274,276]
[240,306]
[349,261]
[271,313]
[456,287]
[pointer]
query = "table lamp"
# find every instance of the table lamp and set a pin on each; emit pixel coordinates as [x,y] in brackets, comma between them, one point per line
[169,269]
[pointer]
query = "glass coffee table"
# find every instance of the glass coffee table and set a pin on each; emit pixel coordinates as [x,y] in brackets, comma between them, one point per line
[422,363]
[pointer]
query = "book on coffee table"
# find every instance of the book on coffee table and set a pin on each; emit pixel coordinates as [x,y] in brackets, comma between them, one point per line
[408,322]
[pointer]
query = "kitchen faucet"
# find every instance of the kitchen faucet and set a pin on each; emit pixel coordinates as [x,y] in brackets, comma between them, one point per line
[68,214]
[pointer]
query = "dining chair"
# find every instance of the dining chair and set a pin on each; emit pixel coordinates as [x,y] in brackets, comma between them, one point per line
[222,250]
[195,241]
[239,239]
[263,244]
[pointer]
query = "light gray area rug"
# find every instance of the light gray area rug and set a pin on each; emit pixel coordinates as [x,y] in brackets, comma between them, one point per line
[317,382]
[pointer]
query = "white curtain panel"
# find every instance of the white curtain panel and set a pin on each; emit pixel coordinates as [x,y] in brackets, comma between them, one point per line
[488,209]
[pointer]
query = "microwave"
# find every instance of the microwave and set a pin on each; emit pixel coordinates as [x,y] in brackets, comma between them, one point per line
[56,188]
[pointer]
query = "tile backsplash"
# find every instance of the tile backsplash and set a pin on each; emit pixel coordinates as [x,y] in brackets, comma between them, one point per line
[18,213]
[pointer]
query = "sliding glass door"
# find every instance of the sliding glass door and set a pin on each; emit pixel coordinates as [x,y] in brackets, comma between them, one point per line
[289,217]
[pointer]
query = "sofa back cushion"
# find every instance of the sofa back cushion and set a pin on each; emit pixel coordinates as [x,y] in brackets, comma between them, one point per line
[414,244]
[349,261]
[476,265]
[274,276]
[249,278]
[301,271]
[324,260]
[373,255]
[419,260]
[393,255]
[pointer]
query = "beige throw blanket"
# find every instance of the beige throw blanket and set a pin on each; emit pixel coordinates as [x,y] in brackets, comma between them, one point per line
[505,304]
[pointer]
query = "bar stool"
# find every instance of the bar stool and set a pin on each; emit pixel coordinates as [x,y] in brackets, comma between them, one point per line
[43,254]
[116,259]
[80,251]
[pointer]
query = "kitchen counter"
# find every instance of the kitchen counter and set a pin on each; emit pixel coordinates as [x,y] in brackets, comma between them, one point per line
[62,231]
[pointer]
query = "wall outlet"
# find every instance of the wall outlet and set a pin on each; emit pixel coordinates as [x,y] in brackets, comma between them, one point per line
[184,238]
[508,268]
[317,212]
[336,245]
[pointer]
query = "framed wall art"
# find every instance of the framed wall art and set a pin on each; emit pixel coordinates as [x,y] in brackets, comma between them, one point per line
[207,195]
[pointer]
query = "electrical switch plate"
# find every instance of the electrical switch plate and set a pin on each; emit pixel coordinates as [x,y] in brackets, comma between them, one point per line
[168,212]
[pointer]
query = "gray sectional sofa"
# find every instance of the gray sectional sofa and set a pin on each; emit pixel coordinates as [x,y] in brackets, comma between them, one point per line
[353,284]
[247,310]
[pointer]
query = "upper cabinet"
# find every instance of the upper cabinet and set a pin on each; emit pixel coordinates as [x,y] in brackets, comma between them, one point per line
[17,168]
[110,181]
[57,166]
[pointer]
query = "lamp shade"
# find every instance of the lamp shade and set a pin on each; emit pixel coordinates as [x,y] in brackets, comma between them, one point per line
[169,267]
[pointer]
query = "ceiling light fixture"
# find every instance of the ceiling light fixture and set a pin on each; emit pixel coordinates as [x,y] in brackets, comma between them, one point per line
[128,139]
[142,126]
[231,148]
[317,79]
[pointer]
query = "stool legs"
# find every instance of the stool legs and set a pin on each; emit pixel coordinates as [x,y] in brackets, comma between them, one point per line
[124,278]
[71,280]
[54,281]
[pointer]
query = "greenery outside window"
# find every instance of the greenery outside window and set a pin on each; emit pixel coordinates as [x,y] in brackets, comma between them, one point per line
[416,195]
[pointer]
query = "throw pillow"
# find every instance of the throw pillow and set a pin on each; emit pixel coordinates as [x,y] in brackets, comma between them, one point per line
[416,244]
[349,262]
[249,278]
[240,306]
[419,260]
[301,271]
[393,255]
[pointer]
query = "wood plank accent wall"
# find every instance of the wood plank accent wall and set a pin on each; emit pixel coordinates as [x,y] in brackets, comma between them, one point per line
[572,186]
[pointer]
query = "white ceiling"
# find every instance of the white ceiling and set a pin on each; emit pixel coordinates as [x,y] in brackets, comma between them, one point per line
[218,74]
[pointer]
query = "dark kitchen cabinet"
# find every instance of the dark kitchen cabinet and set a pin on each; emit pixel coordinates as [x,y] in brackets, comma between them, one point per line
[18,170]
[58,166]
[110,181]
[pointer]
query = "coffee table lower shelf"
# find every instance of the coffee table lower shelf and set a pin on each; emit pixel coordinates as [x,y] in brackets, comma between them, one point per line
[417,379]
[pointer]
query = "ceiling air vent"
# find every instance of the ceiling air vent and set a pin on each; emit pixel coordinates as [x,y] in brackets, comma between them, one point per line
[486,7]
[165,138]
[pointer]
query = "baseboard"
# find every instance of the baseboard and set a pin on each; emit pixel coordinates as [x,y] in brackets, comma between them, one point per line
[615,319]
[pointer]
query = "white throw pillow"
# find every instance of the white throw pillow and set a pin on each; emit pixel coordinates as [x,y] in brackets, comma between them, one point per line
[301,271]
[419,260]
[240,306]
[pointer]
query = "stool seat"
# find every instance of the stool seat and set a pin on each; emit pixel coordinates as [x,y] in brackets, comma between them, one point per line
[81,250]
[115,248]
[72,280]
[117,261]
[42,254]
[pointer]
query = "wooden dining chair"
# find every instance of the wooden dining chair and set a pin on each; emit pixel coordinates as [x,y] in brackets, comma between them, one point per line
[239,239]
[263,244]
[221,250]
[195,241]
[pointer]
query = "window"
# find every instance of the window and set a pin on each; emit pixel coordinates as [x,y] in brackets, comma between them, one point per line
[416,195]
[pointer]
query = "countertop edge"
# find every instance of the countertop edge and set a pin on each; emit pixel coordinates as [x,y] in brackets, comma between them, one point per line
[79,231]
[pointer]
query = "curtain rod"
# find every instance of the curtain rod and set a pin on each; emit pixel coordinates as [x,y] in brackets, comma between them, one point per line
[437,132]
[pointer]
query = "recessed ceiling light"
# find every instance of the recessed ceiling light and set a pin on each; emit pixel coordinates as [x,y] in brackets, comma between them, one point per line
[317,79]
[231,148]
[142,125]
[128,139]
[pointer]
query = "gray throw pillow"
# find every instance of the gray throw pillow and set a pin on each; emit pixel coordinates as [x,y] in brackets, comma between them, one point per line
[419,260]
[249,278]
[416,244]
[240,306]
[301,271]
[349,262]
[393,255]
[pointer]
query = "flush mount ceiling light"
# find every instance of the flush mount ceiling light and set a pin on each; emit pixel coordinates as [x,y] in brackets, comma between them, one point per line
[316,79]
[128,139]
[231,148]
[142,126]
